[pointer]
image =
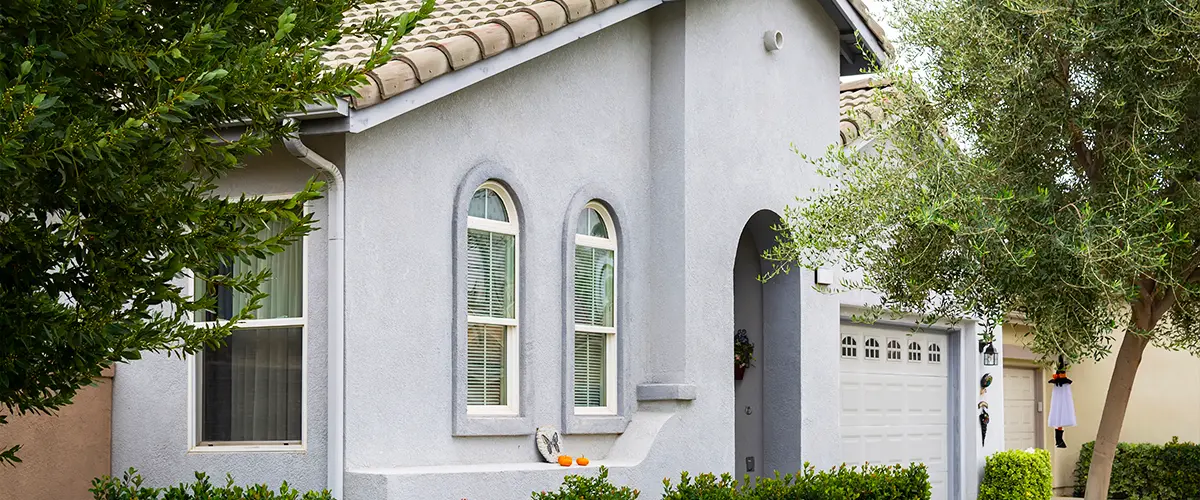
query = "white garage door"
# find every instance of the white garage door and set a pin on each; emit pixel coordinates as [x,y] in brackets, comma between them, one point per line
[895,396]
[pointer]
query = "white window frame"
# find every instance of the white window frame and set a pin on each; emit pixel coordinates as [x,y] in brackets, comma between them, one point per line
[195,380]
[867,348]
[849,350]
[610,333]
[512,339]
[914,356]
[899,350]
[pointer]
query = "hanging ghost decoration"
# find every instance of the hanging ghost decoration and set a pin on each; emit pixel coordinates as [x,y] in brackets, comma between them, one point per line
[1062,406]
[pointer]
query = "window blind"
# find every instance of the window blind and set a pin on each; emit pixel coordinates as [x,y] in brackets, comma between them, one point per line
[491,276]
[590,373]
[487,378]
[594,292]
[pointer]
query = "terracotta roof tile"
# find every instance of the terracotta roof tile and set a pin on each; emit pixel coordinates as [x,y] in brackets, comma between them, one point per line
[857,106]
[457,34]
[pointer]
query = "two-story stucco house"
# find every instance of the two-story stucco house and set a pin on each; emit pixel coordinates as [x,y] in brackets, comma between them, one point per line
[549,213]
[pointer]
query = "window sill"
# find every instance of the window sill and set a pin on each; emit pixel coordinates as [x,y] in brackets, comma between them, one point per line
[492,425]
[666,392]
[595,424]
[247,448]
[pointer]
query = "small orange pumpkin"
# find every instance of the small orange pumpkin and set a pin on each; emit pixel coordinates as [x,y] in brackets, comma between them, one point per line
[564,460]
[582,461]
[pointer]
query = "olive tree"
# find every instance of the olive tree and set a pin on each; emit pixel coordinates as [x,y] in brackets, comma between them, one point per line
[109,156]
[1039,158]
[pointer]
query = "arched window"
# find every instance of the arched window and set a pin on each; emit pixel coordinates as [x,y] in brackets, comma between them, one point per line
[493,364]
[849,347]
[935,353]
[871,349]
[595,301]
[893,350]
[914,351]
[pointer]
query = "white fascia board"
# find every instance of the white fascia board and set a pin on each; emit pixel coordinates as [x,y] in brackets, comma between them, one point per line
[361,120]
[851,14]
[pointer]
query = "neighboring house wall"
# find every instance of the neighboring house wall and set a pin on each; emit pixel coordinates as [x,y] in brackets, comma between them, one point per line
[61,453]
[1167,384]
[150,398]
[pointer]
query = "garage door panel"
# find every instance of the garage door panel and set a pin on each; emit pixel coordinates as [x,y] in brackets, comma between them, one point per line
[894,400]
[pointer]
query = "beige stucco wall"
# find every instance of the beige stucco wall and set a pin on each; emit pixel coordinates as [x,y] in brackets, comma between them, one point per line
[1165,402]
[61,453]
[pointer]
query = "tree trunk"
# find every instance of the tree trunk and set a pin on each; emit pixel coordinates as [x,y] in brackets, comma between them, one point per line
[1113,416]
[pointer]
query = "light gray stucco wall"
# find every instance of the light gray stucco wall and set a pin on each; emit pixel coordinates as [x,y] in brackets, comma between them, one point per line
[683,118]
[150,406]
[687,121]
[744,107]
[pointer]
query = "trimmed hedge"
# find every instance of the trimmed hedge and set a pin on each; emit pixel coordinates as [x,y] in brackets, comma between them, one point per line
[839,483]
[1017,475]
[576,487]
[1147,471]
[130,487]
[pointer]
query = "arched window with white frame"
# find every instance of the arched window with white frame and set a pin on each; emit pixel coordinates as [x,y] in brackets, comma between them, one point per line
[493,346]
[595,310]
[849,347]
[914,351]
[871,349]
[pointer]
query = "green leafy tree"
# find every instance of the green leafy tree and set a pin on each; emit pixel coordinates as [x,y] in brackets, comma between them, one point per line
[109,156]
[1041,160]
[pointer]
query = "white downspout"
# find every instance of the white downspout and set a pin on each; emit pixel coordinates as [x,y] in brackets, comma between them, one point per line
[335,226]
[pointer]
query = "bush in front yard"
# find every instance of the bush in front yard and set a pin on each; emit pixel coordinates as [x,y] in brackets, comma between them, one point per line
[130,487]
[867,482]
[1147,471]
[1017,475]
[589,488]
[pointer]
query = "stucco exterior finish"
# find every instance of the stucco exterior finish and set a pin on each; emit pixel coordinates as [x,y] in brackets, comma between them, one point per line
[680,122]
[150,395]
[61,453]
[1167,383]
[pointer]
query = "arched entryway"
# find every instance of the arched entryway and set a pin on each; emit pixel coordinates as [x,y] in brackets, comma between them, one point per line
[767,398]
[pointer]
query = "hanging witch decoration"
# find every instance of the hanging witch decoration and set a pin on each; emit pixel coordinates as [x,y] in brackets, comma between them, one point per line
[1062,407]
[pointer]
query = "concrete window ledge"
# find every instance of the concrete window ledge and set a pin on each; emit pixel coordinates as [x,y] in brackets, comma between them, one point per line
[666,392]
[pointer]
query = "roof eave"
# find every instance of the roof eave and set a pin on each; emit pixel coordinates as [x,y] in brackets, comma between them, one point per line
[360,120]
[854,23]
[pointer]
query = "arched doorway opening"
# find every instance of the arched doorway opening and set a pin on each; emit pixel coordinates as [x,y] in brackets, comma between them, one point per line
[767,398]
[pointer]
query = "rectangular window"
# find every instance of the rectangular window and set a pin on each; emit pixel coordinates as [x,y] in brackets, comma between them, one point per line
[491,321]
[595,330]
[250,391]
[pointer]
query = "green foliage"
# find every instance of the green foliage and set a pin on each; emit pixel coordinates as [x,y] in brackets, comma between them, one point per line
[1041,161]
[1147,471]
[576,487]
[130,487]
[839,483]
[109,158]
[1017,475]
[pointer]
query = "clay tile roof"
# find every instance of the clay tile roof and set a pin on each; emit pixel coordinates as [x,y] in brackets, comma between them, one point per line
[457,34]
[858,108]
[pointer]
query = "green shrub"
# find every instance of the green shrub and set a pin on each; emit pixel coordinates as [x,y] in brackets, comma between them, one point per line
[1017,475]
[1147,471]
[130,487]
[839,483]
[589,488]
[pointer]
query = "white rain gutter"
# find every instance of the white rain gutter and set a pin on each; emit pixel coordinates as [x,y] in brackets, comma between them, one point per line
[336,280]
